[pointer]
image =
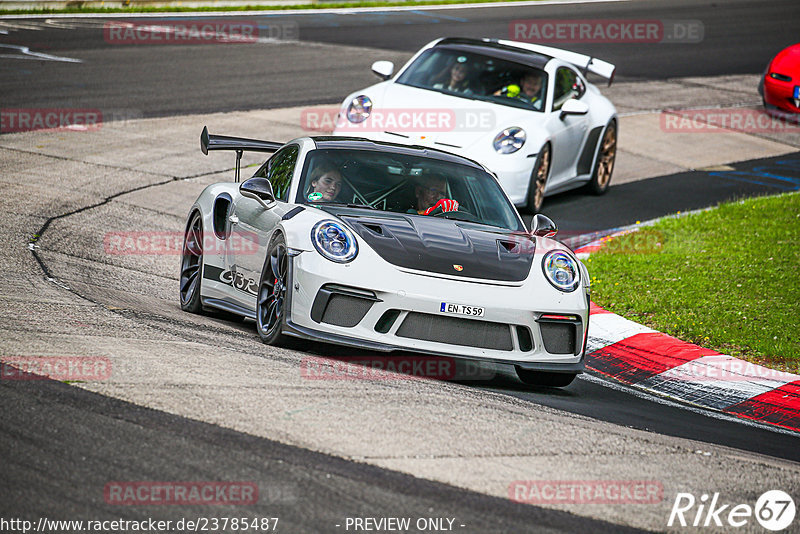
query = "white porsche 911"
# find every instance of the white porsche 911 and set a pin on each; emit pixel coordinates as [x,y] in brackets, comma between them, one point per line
[524,111]
[385,247]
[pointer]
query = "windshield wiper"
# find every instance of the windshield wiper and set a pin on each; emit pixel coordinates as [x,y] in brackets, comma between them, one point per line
[472,96]
[456,216]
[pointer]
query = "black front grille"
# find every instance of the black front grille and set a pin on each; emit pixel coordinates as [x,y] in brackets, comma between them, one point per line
[344,310]
[559,337]
[454,331]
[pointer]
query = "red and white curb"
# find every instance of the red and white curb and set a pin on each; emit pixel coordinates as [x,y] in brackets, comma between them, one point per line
[649,360]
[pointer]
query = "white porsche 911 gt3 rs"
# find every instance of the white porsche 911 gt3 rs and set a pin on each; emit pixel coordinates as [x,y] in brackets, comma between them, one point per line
[385,247]
[524,111]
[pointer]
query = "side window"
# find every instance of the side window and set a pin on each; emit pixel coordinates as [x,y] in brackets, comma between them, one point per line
[280,169]
[568,85]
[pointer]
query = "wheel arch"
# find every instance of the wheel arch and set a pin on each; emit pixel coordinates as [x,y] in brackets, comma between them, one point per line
[599,141]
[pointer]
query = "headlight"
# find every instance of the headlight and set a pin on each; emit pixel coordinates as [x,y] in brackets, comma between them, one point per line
[334,241]
[510,140]
[359,109]
[781,77]
[561,270]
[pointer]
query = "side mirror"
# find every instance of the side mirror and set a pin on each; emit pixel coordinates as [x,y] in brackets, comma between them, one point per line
[258,189]
[573,107]
[543,226]
[383,69]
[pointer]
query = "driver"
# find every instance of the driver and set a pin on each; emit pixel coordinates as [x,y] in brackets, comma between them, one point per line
[528,90]
[431,196]
[326,183]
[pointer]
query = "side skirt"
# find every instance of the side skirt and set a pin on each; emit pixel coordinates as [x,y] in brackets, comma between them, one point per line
[228,307]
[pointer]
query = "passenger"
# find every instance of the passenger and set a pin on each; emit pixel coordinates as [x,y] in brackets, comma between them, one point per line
[326,183]
[458,78]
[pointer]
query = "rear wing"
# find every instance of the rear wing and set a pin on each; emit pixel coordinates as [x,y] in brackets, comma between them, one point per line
[582,61]
[239,144]
[224,142]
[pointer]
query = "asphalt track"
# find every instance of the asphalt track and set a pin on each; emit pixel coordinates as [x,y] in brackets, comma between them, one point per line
[101,439]
[57,439]
[739,37]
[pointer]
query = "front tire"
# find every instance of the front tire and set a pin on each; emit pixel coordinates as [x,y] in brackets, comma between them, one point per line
[543,378]
[272,292]
[539,181]
[604,166]
[192,265]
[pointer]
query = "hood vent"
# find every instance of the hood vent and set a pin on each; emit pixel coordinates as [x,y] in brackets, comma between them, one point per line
[374,228]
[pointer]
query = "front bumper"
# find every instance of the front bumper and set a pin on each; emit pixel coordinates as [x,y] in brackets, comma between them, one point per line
[781,94]
[400,311]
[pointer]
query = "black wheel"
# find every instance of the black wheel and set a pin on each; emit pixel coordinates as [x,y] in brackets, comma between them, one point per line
[192,265]
[543,378]
[604,167]
[539,180]
[271,301]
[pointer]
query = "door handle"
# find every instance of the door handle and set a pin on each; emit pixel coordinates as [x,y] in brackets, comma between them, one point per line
[233,219]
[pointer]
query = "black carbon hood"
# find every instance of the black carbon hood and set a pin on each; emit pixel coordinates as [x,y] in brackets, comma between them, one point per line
[446,246]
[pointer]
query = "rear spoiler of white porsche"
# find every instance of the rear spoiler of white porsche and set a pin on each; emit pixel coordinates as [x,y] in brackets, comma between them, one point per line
[582,61]
[224,142]
[239,144]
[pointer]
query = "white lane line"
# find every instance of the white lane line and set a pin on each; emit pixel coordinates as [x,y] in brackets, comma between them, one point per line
[32,25]
[708,412]
[27,53]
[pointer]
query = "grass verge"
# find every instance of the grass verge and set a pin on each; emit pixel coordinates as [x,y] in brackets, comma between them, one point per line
[181,9]
[727,279]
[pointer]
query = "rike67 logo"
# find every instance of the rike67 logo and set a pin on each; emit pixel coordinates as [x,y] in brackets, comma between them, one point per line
[774,510]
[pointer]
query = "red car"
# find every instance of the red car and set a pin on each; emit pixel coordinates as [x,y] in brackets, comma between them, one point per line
[780,85]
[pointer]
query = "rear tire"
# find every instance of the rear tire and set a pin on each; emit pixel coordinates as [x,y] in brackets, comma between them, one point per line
[538,181]
[606,156]
[544,378]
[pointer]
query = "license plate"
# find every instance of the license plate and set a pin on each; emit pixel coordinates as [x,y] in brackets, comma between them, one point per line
[460,309]
[796,91]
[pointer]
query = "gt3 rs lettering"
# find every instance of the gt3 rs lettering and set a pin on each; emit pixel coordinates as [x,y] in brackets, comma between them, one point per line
[231,277]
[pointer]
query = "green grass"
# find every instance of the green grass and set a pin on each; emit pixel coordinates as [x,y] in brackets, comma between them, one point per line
[256,7]
[727,279]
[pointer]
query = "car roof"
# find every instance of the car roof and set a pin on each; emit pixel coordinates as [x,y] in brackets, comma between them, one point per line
[517,54]
[358,143]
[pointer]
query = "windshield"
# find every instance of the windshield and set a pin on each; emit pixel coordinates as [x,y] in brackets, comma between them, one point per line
[407,184]
[478,77]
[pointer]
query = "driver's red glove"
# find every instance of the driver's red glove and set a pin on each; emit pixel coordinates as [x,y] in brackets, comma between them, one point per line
[442,206]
